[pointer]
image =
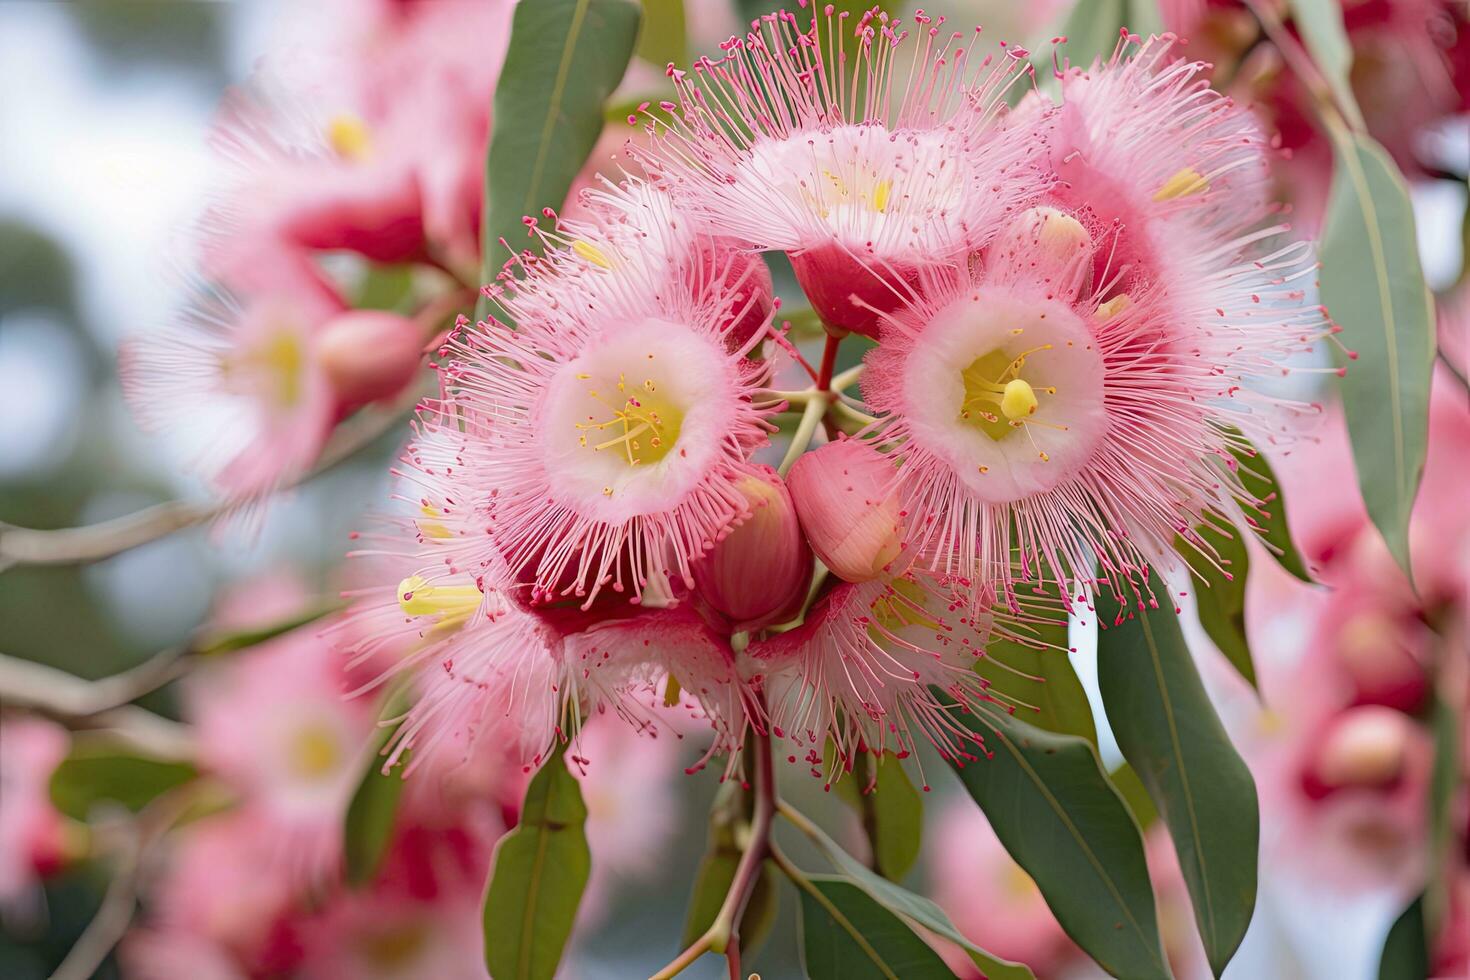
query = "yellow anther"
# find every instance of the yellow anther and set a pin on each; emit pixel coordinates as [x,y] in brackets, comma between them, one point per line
[645,425]
[433,529]
[901,606]
[1018,400]
[591,253]
[451,603]
[880,195]
[314,752]
[348,136]
[1114,306]
[1184,182]
[271,370]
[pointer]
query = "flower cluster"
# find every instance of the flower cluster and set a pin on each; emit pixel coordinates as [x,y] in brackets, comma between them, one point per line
[369,152]
[1068,303]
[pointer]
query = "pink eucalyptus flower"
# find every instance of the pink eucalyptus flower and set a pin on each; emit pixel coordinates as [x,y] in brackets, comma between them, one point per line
[369,355]
[372,140]
[275,724]
[859,191]
[846,494]
[862,669]
[238,379]
[218,906]
[489,662]
[32,832]
[1068,393]
[622,420]
[992,901]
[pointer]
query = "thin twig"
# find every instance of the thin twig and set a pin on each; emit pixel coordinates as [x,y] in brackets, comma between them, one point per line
[723,935]
[139,836]
[815,411]
[77,704]
[113,917]
[94,542]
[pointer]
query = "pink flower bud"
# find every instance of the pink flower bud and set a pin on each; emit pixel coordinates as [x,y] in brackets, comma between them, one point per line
[369,355]
[749,282]
[1384,653]
[1365,748]
[845,496]
[759,573]
[850,294]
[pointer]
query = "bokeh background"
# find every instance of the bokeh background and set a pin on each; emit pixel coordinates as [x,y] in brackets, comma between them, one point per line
[104,111]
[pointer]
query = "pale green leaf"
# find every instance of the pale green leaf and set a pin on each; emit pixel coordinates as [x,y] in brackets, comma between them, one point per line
[1374,290]
[565,57]
[1171,736]
[540,871]
[846,935]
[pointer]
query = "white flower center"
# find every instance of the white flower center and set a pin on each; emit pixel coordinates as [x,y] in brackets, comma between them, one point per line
[1008,390]
[637,415]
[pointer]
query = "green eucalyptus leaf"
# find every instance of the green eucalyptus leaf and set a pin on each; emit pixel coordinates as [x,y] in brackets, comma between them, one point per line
[385,287]
[1268,516]
[914,908]
[1405,953]
[1144,18]
[1091,31]
[1131,788]
[1171,736]
[891,809]
[1374,289]
[1035,673]
[663,39]
[712,883]
[1320,24]
[1220,593]
[846,935]
[1447,723]
[564,59]
[370,818]
[230,642]
[540,871]
[99,771]
[1049,801]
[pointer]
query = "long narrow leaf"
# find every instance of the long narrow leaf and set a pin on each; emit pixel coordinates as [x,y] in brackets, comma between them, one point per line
[1051,804]
[541,868]
[564,60]
[1174,741]
[1374,289]
[846,935]
[915,908]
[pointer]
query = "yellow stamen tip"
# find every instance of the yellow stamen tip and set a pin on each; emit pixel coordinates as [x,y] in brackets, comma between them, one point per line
[1182,183]
[1114,306]
[348,136]
[416,597]
[880,195]
[591,253]
[1018,400]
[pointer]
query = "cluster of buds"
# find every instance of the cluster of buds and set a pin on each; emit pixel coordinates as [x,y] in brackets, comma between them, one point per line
[1067,300]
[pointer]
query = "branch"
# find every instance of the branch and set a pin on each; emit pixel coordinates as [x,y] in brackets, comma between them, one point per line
[115,915]
[723,935]
[94,705]
[94,542]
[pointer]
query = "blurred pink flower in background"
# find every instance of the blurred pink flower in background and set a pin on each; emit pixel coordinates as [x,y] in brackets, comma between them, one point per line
[1411,71]
[276,725]
[32,833]
[992,901]
[1341,752]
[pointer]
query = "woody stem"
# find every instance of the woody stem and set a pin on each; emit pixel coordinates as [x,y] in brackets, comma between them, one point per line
[723,935]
